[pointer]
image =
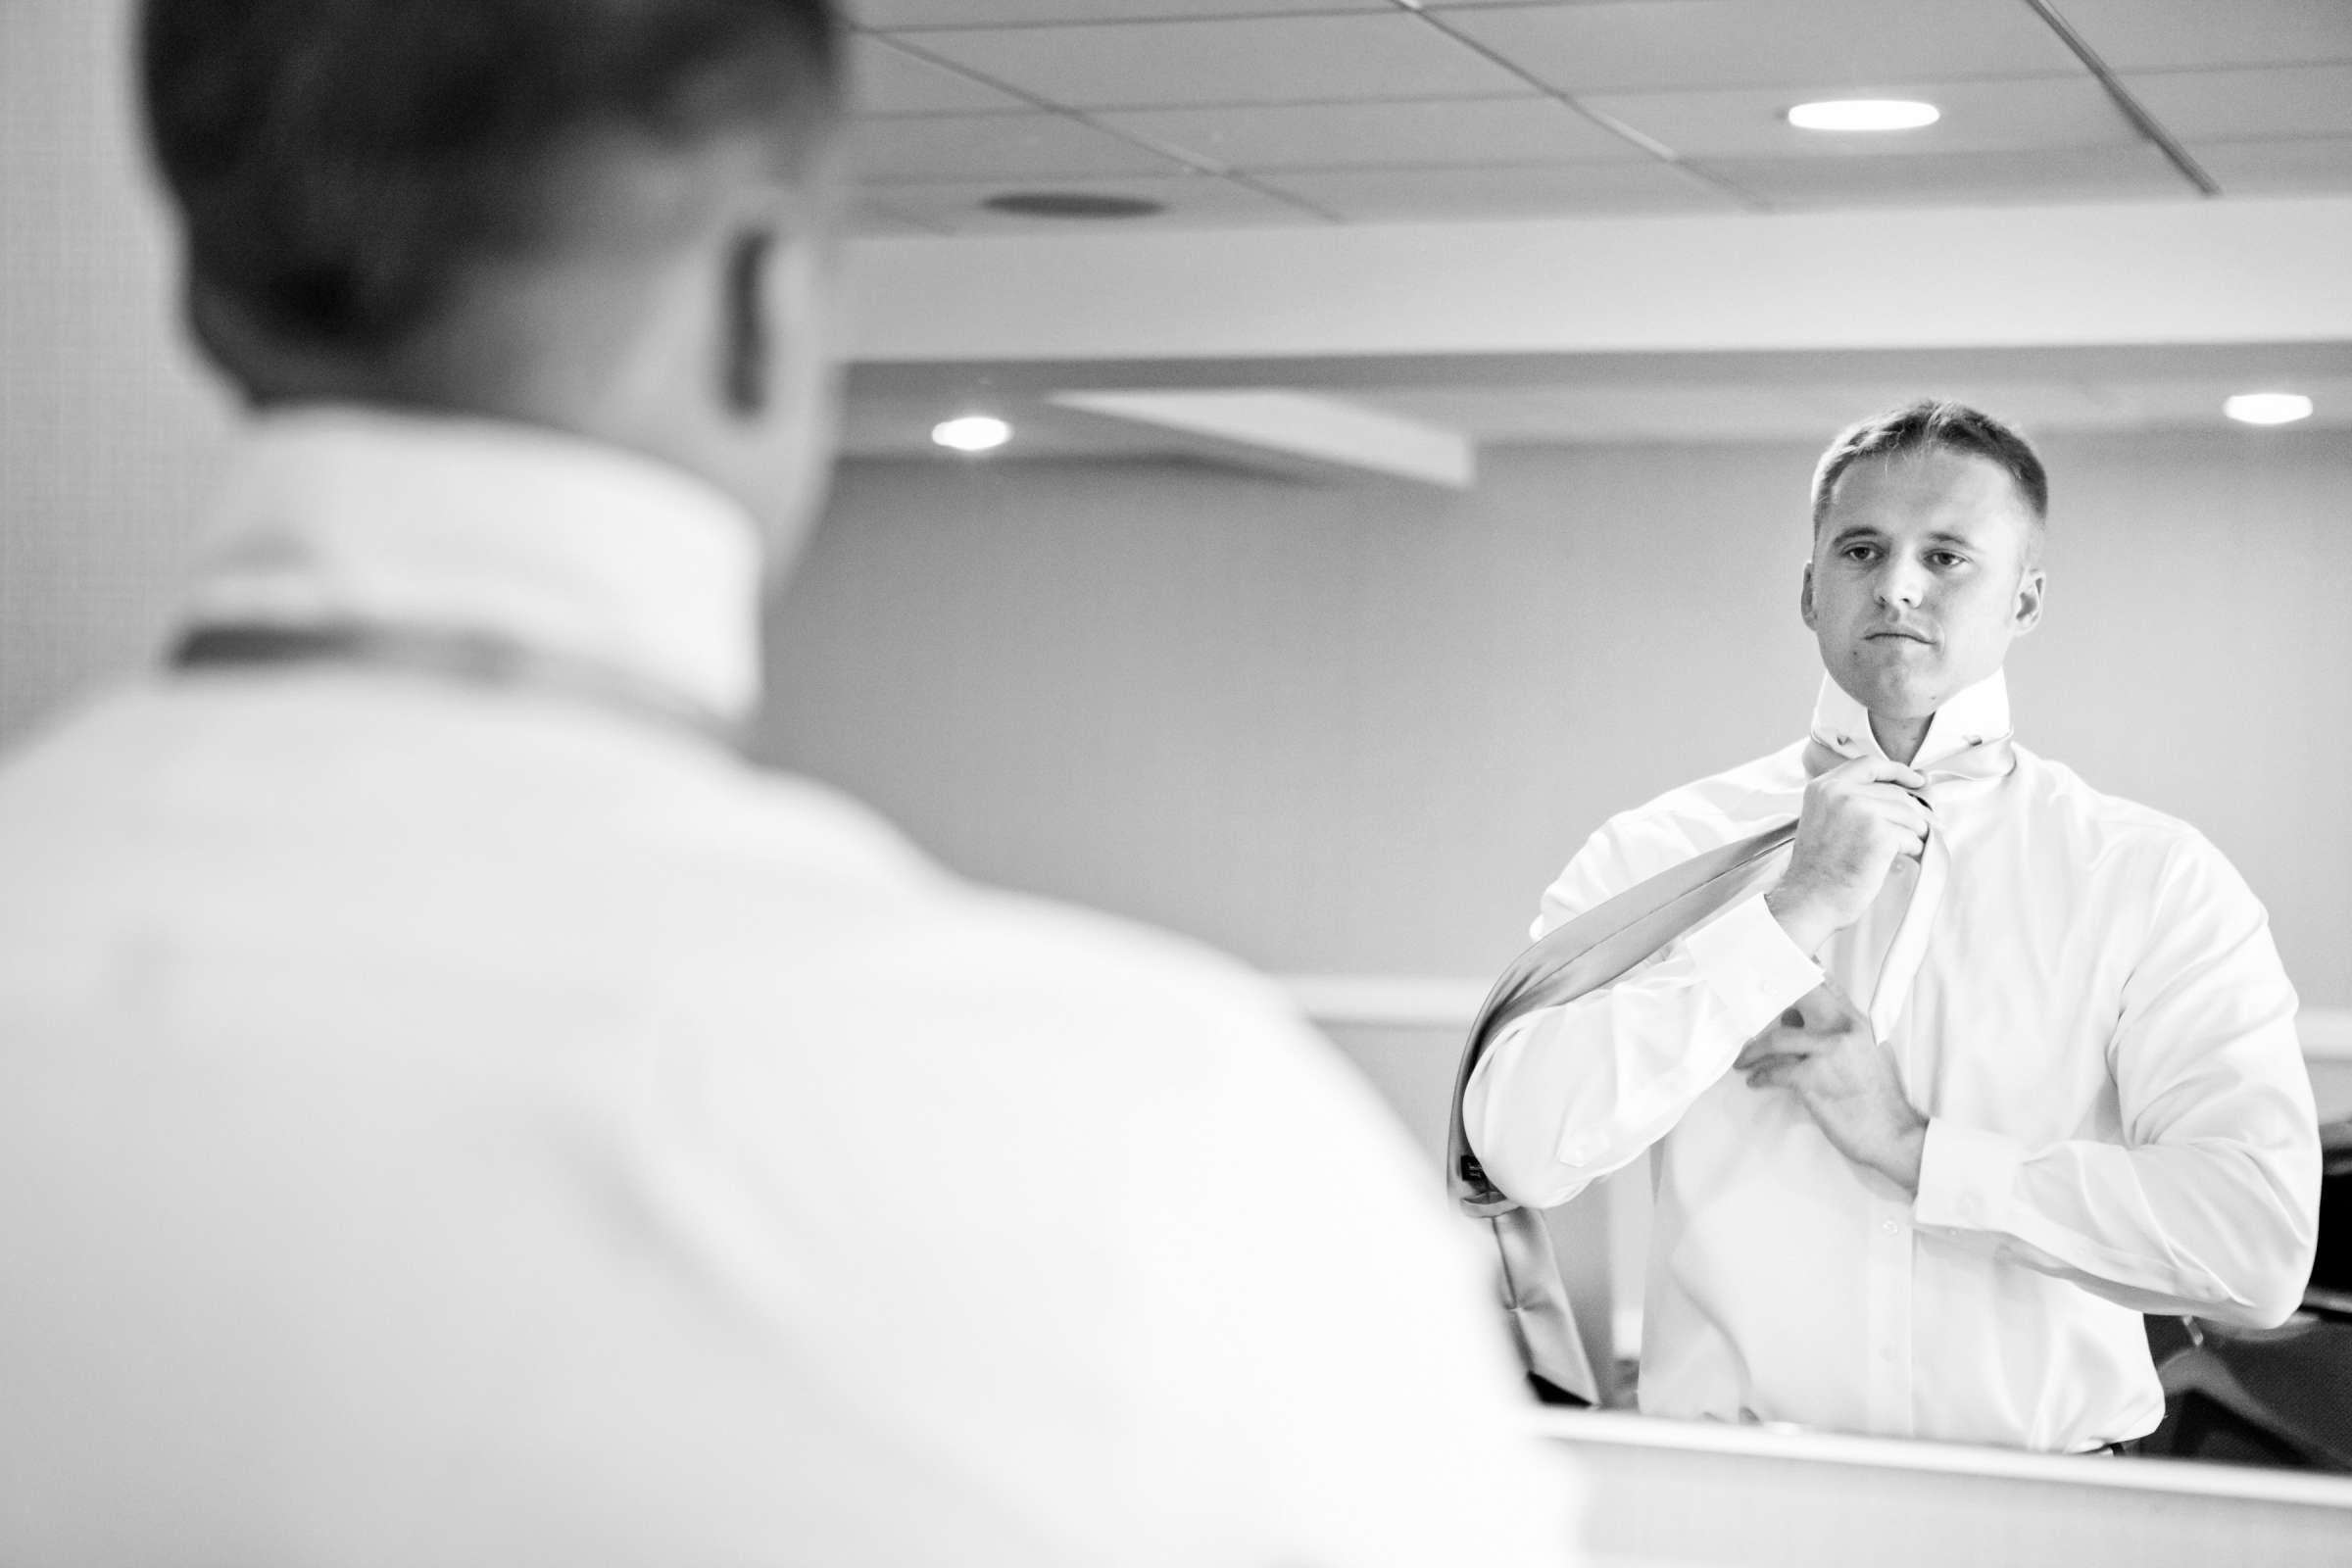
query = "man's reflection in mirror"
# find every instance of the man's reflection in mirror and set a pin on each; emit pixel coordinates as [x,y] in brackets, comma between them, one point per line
[1996,1064]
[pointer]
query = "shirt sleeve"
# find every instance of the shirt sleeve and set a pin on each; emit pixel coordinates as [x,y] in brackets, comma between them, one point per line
[2210,1204]
[1569,1094]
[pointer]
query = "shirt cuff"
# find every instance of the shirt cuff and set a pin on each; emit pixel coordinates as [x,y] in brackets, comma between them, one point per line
[1966,1178]
[1750,964]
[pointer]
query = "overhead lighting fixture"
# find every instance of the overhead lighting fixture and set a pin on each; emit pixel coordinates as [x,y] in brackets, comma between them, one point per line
[972,433]
[2267,408]
[1864,114]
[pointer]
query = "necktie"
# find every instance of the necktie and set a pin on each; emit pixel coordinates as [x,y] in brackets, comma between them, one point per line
[1597,947]
[1900,965]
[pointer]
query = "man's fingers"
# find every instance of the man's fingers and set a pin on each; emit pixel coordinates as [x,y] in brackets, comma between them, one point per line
[1815,1022]
[1773,1072]
[1907,816]
[1899,807]
[1879,770]
[1903,812]
[1820,1011]
[1788,1035]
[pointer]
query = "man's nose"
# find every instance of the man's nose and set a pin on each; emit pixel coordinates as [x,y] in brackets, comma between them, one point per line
[1900,583]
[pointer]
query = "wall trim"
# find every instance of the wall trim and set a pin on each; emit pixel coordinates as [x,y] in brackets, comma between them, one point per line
[1449,1001]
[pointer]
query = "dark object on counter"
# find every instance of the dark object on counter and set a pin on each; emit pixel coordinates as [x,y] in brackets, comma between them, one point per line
[2283,1395]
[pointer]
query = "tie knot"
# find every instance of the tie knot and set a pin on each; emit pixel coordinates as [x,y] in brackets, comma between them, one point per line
[1979,760]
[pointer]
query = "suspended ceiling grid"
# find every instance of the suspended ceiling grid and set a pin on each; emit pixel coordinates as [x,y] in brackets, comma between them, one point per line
[1311,112]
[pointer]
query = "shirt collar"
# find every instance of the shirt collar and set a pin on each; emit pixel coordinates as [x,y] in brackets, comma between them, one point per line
[1975,714]
[556,542]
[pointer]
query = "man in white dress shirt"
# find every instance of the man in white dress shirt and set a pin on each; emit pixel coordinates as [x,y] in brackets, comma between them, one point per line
[454,1112]
[1997,1064]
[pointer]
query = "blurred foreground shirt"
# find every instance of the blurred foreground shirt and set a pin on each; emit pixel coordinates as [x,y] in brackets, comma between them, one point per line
[447,1123]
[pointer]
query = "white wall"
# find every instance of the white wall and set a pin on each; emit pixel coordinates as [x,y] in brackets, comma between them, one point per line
[108,433]
[1357,728]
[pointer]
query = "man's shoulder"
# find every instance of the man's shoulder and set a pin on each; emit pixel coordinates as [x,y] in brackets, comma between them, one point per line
[1759,783]
[944,946]
[1715,809]
[2057,793]
[2135,851]
[1107,960]
[1106,1039]
[1670,828]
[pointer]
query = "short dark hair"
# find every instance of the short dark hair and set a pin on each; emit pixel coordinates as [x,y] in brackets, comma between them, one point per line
[339,164]
[1929,424]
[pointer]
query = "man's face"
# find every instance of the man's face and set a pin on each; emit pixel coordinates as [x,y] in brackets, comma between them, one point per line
[1925,568]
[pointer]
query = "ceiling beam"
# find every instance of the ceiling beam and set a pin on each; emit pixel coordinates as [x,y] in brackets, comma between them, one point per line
[2162,273]
[1292,433]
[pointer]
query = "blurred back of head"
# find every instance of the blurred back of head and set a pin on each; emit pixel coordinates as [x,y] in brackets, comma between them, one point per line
[572,211]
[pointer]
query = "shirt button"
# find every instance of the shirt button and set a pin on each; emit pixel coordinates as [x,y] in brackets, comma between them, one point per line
[1889,1227]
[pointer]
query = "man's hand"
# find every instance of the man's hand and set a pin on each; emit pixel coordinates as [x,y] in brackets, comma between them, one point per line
[1856,820]
[1822,1052]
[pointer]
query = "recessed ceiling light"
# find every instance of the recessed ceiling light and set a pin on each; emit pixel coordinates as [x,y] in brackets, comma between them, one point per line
[1071,204]
[1864,114]
[2268,408]
[972,433]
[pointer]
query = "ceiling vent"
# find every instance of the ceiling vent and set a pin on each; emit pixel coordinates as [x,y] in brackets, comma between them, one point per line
[1071,204]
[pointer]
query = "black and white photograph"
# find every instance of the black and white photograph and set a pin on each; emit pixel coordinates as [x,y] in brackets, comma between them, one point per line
[1179,783]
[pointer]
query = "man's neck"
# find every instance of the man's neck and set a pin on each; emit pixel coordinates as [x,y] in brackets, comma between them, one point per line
[1901,737]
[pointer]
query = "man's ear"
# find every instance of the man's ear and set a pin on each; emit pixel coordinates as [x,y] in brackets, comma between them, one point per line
[748,327]
[1804,599]
[776,296]
[2027,612]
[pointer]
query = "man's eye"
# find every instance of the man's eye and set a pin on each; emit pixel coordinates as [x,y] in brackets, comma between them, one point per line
[1947,560]
[1859,552]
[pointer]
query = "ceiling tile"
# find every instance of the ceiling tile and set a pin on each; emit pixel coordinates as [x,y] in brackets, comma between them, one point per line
[1254,60]
[1978,116]
[1550,190]
[2278,168]
[1191,201]
[1760,43]
[1483,130]
[947,147]
[2203,35]
[891,82]
[2248,105]
[993,13]
[2068,173]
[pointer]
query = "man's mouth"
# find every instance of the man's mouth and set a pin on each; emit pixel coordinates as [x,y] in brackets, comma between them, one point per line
[1903,632]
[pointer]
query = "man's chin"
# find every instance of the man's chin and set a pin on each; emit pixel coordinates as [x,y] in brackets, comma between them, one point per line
[1896,695]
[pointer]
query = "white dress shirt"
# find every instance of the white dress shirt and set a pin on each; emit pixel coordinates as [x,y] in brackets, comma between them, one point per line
[2098,1030]
[455,1123]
